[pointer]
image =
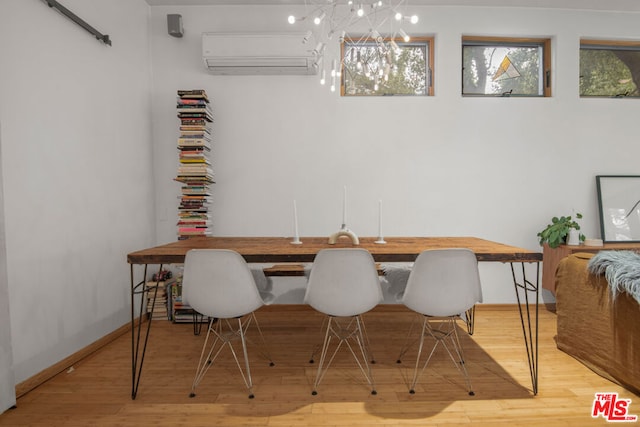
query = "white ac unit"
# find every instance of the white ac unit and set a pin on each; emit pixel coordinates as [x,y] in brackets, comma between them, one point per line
[258,53]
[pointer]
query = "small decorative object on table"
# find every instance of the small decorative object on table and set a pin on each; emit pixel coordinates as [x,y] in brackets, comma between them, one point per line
[344,231]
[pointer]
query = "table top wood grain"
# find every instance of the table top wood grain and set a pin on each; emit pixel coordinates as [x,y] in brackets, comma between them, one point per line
[280,249]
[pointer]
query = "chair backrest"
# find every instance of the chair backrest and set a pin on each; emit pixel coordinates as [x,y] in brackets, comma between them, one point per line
[343,282]
[219,283]
[443,282]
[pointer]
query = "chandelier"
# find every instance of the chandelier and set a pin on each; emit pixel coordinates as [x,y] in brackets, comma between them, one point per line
[368,34]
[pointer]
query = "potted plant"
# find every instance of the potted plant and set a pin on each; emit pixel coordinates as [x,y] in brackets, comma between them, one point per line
[559,230]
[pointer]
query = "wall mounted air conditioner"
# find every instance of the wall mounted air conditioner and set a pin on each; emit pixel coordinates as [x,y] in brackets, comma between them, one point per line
[258,53]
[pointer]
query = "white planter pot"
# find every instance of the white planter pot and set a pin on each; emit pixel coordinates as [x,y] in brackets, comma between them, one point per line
[573,238]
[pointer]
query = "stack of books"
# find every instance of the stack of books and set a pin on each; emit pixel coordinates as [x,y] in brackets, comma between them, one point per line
[194,171]
[178,311]
[159,306]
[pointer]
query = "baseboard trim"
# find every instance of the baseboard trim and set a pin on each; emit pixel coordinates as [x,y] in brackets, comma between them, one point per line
[29,384]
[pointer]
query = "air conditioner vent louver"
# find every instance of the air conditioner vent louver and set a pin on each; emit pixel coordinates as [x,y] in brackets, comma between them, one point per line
[258,54]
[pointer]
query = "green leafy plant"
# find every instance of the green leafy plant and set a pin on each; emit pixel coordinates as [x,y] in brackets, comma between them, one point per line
[556,233]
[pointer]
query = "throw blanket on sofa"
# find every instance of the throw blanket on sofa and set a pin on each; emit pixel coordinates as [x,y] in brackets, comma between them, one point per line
[621,269]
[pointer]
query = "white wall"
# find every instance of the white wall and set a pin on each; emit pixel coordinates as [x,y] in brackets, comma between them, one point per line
[77,171]
[7,391]
[495,168]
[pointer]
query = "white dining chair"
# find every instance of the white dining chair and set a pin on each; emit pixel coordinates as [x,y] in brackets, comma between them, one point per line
[343,284]
[219,284]
[443,285]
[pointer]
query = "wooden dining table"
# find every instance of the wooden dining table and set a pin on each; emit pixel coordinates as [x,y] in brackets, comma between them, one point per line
[282,250]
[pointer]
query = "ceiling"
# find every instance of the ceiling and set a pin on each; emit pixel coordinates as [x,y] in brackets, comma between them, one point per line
[610,5]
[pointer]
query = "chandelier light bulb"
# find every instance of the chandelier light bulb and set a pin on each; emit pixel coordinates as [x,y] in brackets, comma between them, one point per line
[371,53]
[404,35]
[318,19]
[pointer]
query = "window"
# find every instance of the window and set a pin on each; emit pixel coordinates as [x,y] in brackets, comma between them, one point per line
[389,67]
[500,66]
[609,68]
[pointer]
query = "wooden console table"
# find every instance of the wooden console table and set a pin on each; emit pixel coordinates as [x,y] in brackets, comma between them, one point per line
[552,256]
[280,250]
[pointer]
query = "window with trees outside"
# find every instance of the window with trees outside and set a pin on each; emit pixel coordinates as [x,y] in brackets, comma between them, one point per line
[609,68]
[392,67]
[502,66]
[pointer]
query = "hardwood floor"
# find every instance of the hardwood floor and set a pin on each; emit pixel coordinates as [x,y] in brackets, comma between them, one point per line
[96,391]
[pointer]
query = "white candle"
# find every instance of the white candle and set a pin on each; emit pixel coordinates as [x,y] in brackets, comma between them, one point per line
[380,239]
[295,221]
[344,206]
[380,218]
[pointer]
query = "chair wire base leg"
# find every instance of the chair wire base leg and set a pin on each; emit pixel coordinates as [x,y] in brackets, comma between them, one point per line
[217,328]
[366,341]
[319,346]
[352,331]
[262,348]
[470,316]
[449,331]
[407,343]
[205,362]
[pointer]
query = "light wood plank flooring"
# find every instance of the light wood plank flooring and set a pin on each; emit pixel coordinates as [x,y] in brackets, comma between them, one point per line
[96,391]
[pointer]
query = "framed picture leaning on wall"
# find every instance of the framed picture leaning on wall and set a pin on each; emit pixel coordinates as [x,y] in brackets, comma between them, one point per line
[619,204]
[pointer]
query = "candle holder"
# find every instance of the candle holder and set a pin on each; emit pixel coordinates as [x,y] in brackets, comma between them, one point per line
[380,241]
[344,232]
[296,241]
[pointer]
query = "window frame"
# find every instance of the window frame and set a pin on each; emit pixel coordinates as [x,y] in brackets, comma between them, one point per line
[587,43]
[544,42]
[418,40]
